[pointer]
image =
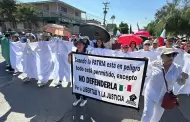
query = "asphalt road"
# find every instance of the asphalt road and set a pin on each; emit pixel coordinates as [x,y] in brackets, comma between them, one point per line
[21,102]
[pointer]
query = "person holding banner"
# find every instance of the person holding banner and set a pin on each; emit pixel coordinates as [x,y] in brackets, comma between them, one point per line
[169,44]
[154,45]
[31,37]
[99,44]
[146,46]
[81,48]
[124,48]
[132,46]
[74,40]
[15,37]
[46,36]
[109,44]
[165,73]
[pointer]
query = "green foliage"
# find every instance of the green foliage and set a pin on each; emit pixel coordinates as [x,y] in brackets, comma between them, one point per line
[124,28]
[8,10]
[14,12]
[174,17]
[151,28]
[27,13]
[7,7]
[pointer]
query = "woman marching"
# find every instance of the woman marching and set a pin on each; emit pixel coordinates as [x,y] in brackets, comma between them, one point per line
[165,73]
[99,44]
[133,47]
[81,48]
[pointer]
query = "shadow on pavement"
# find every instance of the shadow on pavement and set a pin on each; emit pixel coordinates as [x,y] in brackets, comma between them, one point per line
[97,111]
[4,76]
[39,104]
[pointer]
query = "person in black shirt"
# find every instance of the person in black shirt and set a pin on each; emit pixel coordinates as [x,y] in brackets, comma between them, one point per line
[81,48]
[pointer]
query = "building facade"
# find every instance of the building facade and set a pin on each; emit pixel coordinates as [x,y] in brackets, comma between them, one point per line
[57,12]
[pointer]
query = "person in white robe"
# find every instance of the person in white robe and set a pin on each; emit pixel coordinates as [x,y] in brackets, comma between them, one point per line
[133,47]
[124,48]
[169,44]
[156,88]
[146,46]
[154,45]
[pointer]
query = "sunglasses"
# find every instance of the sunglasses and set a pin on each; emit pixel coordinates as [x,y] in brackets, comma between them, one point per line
[147,44]
[171,55]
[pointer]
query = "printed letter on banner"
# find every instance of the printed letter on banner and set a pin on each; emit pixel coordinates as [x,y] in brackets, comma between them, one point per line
[110,79]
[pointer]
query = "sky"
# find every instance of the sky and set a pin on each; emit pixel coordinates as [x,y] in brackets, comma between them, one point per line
[129,11]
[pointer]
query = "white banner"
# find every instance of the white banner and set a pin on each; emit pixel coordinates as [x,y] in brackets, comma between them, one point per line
[111,79]
[48,60]
[16,55]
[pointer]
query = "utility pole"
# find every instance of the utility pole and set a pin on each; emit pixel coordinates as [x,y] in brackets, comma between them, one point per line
[105,11]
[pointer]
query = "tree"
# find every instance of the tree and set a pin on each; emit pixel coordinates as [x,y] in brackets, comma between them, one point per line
[178,22]
[151,28]
[155,28]
[8,10]
[27,14]
[174,17]
[186,16]
[124,28]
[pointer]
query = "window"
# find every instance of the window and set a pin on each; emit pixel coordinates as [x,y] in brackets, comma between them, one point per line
[76,14]
[63,9]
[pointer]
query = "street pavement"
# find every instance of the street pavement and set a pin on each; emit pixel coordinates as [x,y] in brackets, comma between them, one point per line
[25,102]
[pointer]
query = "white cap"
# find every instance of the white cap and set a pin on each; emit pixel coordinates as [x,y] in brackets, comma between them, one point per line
[166,51]
[155,41]
[146,42]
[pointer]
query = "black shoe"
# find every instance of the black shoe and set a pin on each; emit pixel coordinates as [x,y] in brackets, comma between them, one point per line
[8,67]
[16,73]
[11,70]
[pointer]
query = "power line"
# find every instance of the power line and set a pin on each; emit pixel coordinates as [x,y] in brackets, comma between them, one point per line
[105,11]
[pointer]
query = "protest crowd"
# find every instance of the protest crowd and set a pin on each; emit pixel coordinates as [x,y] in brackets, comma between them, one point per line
[47,56]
